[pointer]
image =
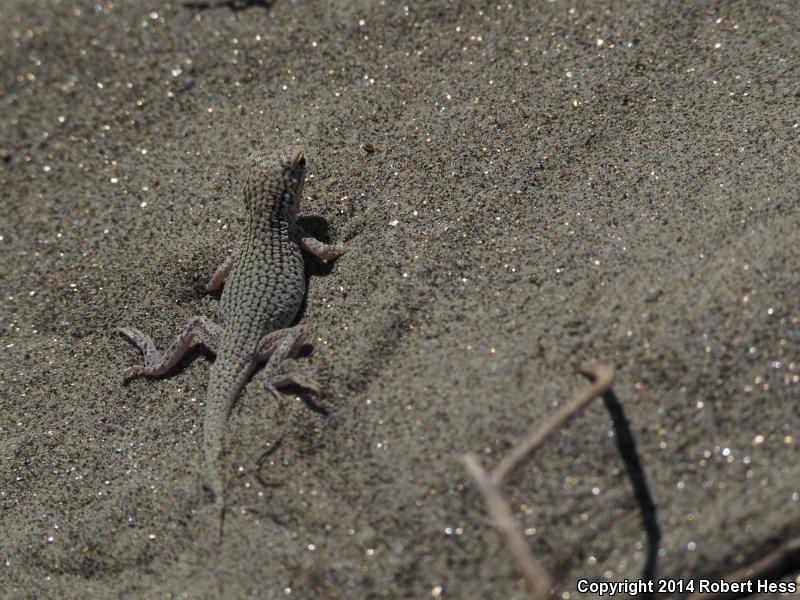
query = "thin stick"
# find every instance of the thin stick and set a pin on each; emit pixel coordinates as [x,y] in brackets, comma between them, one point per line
[534,574]
[490,484]
[776,564]
[603,375]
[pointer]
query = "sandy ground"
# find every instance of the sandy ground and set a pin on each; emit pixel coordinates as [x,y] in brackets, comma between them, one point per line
[520,189]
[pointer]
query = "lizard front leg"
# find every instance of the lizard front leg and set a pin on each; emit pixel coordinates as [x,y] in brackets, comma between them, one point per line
[222,272]
[319,249]
[157,363]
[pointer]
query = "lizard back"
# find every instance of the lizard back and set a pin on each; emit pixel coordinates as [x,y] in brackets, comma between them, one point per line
[266,287]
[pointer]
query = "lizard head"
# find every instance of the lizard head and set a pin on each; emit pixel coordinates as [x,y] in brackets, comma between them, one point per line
[275,187]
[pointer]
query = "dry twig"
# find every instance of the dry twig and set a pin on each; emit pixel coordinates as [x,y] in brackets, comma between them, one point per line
[490,484]
[778,563]
[602,375]
[534,573]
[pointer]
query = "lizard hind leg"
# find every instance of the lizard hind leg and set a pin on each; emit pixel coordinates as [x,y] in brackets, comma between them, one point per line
[279,345]
[158,363]
[283,343]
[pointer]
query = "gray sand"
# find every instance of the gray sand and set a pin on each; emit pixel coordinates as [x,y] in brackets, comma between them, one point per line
[520,189]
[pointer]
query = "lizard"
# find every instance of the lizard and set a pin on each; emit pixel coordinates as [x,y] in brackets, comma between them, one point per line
[264,286]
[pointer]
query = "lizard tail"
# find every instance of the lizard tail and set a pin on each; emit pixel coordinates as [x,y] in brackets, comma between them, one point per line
[213,449]
[226,381]
[219,509]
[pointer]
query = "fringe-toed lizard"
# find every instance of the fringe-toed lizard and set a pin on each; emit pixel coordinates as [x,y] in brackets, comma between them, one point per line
[262,296]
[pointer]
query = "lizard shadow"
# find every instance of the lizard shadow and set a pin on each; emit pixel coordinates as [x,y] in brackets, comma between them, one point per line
[234,5]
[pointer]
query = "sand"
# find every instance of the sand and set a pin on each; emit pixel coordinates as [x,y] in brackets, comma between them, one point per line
[520,188]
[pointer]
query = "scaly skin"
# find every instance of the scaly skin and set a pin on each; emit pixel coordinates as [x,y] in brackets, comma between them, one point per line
[262,296]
